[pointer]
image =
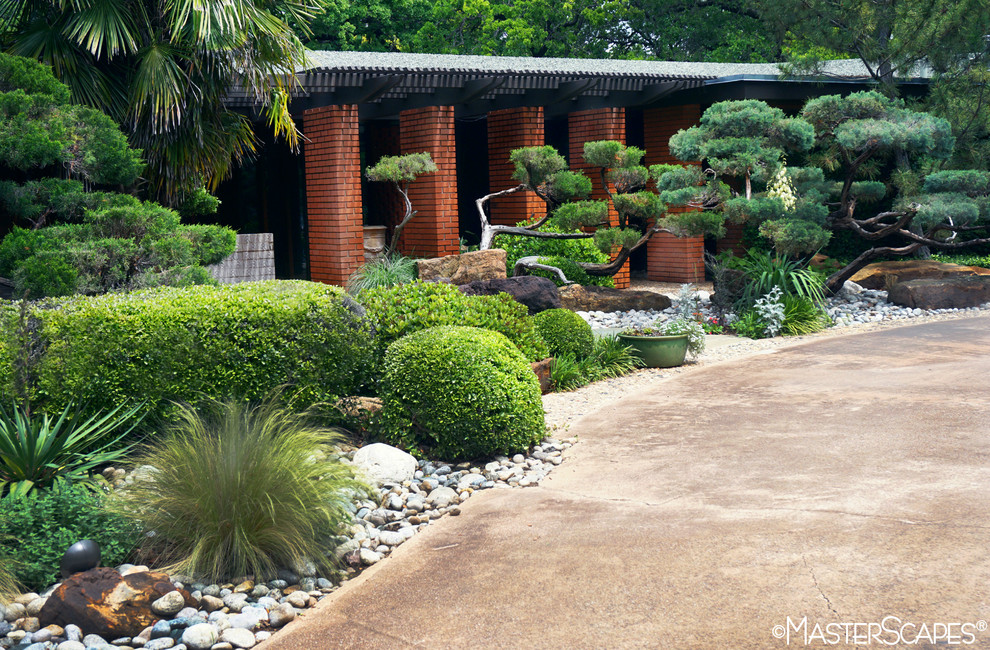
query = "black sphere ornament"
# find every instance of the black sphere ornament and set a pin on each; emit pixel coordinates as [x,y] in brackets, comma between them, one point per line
[81,556]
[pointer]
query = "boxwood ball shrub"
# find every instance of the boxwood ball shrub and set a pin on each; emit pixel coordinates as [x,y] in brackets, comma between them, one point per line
[402,309]
[565,332]
[185,344]
[460,392]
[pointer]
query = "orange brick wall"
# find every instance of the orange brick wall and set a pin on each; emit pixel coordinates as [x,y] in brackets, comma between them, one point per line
[588,126]
[433,232]
[670,258]
[333,192]
[510,129]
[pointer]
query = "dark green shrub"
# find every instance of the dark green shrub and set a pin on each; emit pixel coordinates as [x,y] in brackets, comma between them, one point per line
[575,250]
[116,248]
[165,345]
[36,530]
[462,392]
[406,308]
[239,489]
[565,332]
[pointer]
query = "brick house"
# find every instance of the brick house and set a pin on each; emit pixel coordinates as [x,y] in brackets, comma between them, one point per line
[469,112]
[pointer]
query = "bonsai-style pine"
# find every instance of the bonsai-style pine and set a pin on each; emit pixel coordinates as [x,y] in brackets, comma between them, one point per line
[640,213]
[864,174]
[401,171]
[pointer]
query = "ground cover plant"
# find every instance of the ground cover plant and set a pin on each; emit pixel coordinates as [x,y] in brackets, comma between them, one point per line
[182,345]
[565,254]
[36,529]
[235,488]
[459,393]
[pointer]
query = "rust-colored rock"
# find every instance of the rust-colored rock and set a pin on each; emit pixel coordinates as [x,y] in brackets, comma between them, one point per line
[542,371]
[942,293]
[883,275]
[101,601]
[591,298]
[464,268]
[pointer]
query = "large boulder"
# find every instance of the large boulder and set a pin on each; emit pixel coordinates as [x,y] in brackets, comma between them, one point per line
[883,275]
[464,268]
[385,464]
[538,294]
[591,298]
[942,293]
[101,601]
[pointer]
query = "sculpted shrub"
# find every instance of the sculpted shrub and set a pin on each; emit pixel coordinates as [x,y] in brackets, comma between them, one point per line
[461,392]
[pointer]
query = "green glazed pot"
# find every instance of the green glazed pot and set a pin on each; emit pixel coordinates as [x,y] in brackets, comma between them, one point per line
[658,351]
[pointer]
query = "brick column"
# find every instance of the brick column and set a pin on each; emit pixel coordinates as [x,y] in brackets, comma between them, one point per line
[509,129]
[588,126]
[333,192]
[732,240]
[434,231]
[669,258]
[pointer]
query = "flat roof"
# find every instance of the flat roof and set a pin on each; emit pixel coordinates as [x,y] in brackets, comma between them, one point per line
[384,83]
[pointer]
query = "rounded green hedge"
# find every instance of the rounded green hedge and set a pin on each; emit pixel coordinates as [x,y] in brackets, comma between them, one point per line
[405,308]
[461,392]
[565,332]
[163,345]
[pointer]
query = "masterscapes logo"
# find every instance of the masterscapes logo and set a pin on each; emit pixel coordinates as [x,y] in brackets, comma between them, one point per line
[889,631]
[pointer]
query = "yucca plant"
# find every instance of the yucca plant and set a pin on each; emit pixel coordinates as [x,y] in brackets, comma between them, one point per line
[765,271]
[241,489]
[387,271]
[38,451]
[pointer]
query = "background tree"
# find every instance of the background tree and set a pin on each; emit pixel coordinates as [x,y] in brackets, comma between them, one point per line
[686,30]
[56,161]
[163,70]
[368,25]
[901,39]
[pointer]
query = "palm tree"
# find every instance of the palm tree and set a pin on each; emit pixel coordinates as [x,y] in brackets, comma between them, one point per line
[162,68]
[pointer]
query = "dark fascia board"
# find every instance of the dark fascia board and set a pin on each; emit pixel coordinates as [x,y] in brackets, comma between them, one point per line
[769,88]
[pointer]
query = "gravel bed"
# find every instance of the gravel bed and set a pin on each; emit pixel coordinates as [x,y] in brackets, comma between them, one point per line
[243,613]
[853,311]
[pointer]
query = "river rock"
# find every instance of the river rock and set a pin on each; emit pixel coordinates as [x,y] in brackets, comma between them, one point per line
[591,298]
[103,602]
[385,464]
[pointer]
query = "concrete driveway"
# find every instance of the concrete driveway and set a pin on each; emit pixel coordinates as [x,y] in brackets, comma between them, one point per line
[838,489]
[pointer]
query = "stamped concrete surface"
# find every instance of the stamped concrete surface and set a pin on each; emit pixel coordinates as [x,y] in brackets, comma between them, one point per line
[821,487]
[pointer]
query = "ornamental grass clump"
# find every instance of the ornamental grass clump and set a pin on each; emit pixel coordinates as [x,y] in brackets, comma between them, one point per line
[236,489]
[387,271]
